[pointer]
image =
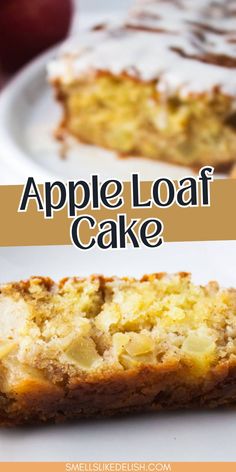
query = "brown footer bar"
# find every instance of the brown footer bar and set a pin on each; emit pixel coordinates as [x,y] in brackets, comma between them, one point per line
[118,466]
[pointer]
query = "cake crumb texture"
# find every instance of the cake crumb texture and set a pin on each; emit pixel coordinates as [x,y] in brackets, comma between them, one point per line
[160,84]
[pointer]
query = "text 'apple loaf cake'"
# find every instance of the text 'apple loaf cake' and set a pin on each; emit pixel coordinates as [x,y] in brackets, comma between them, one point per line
[160,84]
[107,346]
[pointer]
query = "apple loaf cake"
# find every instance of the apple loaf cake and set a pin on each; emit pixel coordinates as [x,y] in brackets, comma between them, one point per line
[161,84]
[107,346]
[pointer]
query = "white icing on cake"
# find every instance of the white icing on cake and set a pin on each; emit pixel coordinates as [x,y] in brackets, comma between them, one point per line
[194,53]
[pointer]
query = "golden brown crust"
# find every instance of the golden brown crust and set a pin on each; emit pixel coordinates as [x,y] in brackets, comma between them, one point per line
[233,172]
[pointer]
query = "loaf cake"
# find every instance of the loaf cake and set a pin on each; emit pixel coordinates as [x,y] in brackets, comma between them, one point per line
[160,84]
[107,346]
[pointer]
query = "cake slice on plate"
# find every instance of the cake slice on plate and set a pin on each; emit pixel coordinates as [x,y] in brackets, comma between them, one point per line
[161,84]
[106,346]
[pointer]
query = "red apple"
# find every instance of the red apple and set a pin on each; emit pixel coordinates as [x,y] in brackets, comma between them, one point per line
[28,27]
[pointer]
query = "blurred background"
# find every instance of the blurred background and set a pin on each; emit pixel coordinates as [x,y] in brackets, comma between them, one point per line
[28,28]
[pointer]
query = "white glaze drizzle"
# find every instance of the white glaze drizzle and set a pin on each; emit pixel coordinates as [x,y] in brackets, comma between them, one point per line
[196,28]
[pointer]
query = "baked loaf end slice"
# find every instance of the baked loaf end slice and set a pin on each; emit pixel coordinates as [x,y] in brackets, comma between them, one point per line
[99,346]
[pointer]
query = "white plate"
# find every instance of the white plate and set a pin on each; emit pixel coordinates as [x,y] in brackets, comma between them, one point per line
[176,436]
[28,117]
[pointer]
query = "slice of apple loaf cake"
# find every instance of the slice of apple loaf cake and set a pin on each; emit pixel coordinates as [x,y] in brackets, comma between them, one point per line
[106,346]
